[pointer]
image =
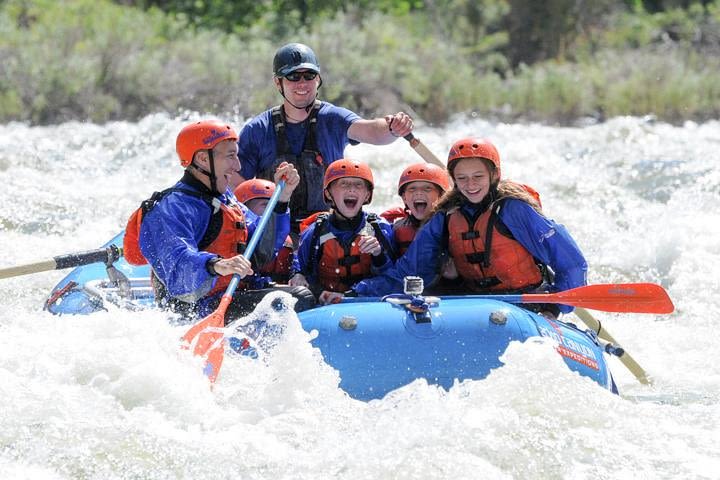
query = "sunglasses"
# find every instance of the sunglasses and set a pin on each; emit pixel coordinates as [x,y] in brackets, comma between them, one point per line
[296,76]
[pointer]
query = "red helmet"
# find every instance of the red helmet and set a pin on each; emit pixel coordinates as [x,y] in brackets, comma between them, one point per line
[201,136]
[254,188]
[344,168]
[473,147]
[424,172]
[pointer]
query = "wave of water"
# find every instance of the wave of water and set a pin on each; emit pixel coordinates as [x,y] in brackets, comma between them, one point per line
[110,395]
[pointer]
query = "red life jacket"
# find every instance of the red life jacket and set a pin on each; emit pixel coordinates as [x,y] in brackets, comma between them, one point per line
[487,256]
[279,268]
[131,240]
[404,231]
[225,236]
[404,227]
[310,220]
[230,240]
[339,266]
[393,214]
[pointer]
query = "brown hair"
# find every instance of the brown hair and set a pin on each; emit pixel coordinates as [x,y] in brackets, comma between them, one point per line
[505,189]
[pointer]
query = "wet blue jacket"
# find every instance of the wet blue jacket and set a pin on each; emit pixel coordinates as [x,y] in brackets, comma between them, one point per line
[301,263]
[172,230]
[257,144]
[547,241]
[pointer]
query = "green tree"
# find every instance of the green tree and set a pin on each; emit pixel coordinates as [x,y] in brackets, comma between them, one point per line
[546,30]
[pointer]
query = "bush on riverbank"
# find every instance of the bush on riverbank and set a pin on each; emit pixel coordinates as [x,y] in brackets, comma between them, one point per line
[98,61]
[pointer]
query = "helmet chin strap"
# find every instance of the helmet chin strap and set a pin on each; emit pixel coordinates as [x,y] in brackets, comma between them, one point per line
[211,174]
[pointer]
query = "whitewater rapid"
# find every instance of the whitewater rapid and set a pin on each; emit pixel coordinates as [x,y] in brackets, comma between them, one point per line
[110,396]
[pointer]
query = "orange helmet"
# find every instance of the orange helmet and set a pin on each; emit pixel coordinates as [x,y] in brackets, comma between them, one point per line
[344,168]
[424,172]
[254,188]
[202,135]
[473,147]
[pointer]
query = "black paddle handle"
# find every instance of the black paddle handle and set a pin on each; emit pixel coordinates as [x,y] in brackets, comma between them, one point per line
[106,255]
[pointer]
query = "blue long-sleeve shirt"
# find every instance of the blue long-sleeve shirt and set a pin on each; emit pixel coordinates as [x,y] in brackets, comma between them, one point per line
[547,241]
[258,141]
[172,230]
[301,262]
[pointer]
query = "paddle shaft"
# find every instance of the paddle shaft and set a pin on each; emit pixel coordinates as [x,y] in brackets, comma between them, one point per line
[106,255]
[625,358]
[422,150]
[209,343]
[255,239]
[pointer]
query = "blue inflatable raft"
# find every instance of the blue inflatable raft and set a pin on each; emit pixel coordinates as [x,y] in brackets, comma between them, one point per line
[377,345]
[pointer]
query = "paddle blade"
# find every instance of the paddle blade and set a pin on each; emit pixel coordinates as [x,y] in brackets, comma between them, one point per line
[621,298]
[214,320]
[213,361]
[207,339]
[210,336]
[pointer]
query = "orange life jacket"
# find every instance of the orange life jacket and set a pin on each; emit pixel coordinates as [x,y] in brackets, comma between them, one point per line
[487,256]
[339,266]
[404,231]
[131,239]
[279,268]
[392,214]
[225,236]
[230,240]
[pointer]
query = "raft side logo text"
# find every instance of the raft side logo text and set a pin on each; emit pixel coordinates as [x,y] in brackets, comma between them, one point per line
[571,349]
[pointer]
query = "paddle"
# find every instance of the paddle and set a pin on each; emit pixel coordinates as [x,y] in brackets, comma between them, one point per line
[209,330]
[621,297]
[616,297]
[106,255]
[583,314]
[422,150]
[625,358]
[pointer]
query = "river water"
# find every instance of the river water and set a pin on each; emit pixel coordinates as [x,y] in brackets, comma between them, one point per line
[110,396]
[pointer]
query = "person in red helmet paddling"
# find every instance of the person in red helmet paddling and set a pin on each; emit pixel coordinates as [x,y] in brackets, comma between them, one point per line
[345,245]
[193,234]
[307,132]
[494,231]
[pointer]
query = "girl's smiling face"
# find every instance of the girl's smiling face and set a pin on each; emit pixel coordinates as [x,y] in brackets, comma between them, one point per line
[472,178]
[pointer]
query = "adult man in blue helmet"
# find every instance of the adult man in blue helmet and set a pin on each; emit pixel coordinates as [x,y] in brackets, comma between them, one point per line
[307,132]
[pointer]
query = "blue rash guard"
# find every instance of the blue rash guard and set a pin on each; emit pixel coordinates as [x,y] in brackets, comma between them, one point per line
[547,241]
[301,263]
[258,143]
[171,231]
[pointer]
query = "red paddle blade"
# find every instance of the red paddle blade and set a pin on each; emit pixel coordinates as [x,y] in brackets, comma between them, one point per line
[622,298]
[212,333]
[214,360]
[208,335]
[214,320]
[208,322]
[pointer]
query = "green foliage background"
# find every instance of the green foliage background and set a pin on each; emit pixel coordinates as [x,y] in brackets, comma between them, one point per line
[555,61]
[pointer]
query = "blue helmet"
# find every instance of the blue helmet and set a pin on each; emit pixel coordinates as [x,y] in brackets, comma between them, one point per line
[294,56]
